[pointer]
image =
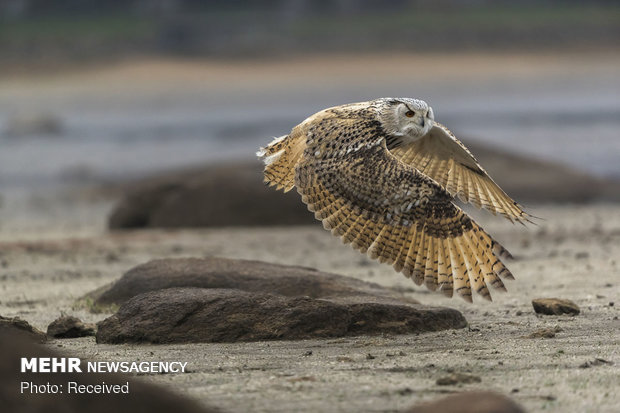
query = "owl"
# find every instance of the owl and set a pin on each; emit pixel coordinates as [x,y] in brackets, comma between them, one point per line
[382,175]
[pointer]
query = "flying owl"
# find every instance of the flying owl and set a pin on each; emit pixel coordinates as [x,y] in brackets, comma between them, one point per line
[382,175]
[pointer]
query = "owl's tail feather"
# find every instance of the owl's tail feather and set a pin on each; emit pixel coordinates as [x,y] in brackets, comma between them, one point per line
[280,158]
[445,263]
[449,264]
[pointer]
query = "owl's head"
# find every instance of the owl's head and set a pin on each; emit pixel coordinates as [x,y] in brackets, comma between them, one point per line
[405,117]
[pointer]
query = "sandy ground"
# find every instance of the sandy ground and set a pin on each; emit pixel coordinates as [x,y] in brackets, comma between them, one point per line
[50,260]
[165,75]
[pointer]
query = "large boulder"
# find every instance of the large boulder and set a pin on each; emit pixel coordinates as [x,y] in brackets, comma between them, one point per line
[220,299]
[251,276]
[182,315]
[70,327]
[214,196]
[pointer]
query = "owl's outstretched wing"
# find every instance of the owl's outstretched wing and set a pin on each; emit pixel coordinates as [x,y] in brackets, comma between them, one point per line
[281,156]
[448,162]
[386,208]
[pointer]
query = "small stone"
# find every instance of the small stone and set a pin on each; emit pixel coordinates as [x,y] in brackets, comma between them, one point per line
[544,333]
[555,306]
[112,257]
[301,379]
[70,327]
[458,378]
[308,353]
[596,362]
[405,392]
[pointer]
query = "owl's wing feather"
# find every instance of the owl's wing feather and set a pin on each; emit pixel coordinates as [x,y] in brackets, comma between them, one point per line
[395,214]
[442,157]
[281,156]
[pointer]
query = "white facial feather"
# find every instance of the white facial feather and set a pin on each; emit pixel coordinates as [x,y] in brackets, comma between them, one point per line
[405,117]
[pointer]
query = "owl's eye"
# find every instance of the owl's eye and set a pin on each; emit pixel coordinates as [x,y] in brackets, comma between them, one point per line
[410,114]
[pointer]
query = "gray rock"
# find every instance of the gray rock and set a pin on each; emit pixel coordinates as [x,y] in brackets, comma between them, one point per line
[596,362]
[21,327]
[142,396]
[544,333]
[470,402]
[458,378]
[181,315]
[70,327]
[215,196]
[555,306]
[251,276]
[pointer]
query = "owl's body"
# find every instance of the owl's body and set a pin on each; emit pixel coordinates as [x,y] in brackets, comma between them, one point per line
[381,175]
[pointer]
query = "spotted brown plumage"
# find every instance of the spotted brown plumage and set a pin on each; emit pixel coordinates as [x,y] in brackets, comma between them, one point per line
[381,175]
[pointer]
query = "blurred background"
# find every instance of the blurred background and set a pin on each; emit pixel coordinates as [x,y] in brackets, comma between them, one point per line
[97,94]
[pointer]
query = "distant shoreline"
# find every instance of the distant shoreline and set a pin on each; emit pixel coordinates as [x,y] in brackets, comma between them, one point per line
[484,61]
